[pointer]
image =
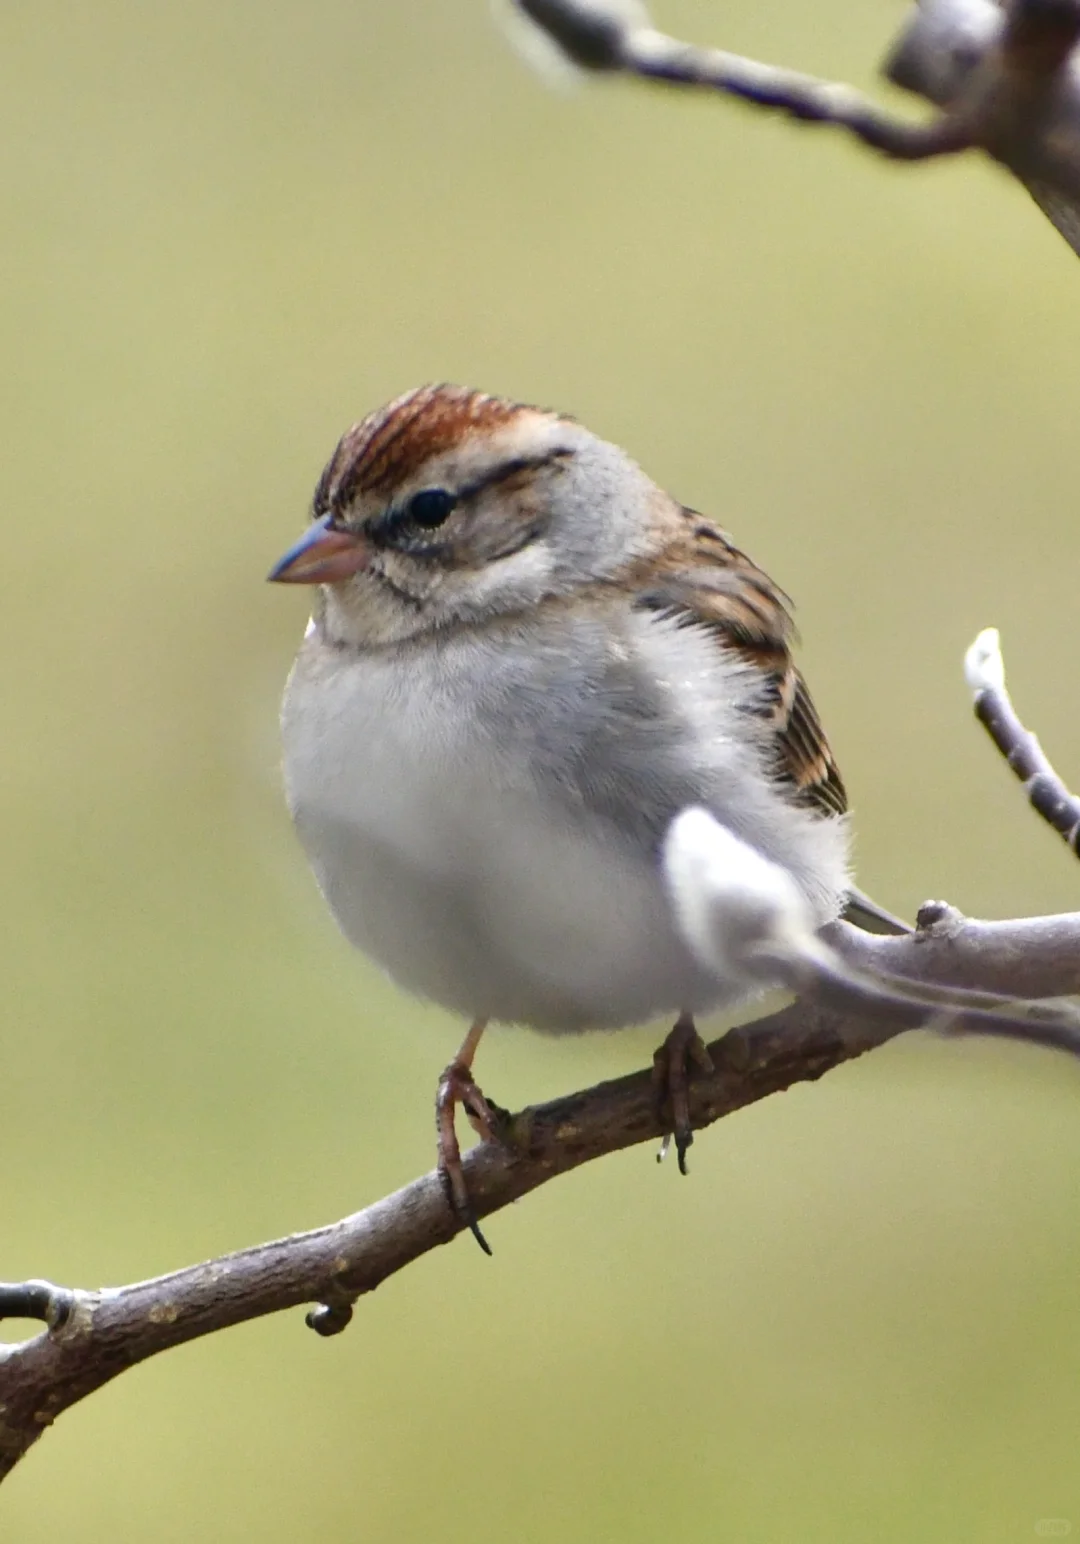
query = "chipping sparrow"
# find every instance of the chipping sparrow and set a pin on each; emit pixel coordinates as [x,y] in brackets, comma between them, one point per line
[525,659]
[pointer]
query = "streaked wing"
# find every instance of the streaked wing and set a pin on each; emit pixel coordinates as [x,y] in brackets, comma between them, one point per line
[703,579]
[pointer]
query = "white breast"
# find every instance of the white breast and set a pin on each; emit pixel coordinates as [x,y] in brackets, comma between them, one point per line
[436,792]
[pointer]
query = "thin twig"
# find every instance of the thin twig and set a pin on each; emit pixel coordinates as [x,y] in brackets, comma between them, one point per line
[998,73]
[601,36]
[1046,790]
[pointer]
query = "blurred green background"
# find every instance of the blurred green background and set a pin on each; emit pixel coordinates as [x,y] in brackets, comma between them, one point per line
[231,230]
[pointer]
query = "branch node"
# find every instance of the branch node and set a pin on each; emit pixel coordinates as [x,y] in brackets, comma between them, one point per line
[937,917]
[330,1318]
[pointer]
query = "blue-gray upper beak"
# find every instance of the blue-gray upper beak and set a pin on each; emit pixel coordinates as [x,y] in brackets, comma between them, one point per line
[323,555]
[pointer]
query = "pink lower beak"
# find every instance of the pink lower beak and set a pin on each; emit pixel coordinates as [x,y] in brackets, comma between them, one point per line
[323,555]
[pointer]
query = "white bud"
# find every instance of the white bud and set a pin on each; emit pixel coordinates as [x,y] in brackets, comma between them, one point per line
[983,665]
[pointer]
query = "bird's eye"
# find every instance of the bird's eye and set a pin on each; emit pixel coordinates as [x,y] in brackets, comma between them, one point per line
[430,507]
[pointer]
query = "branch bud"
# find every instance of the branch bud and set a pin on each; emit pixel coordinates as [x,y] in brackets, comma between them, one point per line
[984,667]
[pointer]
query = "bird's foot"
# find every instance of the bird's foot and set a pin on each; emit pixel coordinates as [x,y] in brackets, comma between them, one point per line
[682,1054]
[457,1086]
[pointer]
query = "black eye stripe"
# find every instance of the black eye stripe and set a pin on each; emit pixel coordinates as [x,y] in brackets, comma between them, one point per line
[405,526]
[512,468]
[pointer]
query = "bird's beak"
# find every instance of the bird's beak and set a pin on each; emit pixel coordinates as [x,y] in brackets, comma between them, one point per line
[322,556]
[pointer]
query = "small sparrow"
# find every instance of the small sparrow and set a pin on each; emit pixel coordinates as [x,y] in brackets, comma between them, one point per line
[525,660]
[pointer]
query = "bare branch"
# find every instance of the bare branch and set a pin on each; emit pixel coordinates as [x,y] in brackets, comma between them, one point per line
[600,35]
[1004,76]
[1046,790]
[95,1335]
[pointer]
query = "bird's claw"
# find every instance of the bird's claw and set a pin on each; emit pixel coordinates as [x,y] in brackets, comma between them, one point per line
[682,1054]
[457,1086]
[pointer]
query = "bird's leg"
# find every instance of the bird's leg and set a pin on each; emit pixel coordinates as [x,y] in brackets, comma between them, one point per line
[682,1054]
[458,1086]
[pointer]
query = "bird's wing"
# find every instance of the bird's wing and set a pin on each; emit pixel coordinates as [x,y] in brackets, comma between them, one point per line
[702,579]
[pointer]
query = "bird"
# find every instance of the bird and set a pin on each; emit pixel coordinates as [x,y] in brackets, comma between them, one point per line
[524,659]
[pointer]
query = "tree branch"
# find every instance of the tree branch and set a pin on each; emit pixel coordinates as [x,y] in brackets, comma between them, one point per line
[95,1335]
[617,38]
[1003,76]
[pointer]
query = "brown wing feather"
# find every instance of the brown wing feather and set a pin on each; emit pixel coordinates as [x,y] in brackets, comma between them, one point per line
[808,754]
[703,579]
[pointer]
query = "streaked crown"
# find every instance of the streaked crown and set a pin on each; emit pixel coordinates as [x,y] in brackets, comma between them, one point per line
[391,445]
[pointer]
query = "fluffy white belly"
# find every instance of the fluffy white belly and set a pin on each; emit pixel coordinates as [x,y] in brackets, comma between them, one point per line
[447,864]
